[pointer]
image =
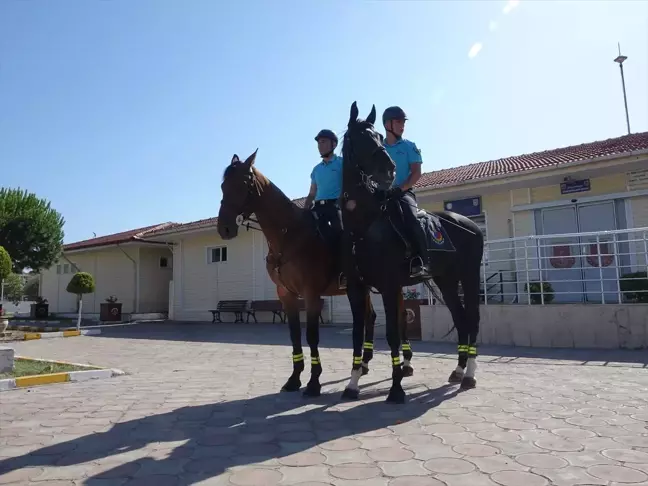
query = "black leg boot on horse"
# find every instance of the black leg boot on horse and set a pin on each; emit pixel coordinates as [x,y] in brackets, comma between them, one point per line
[291,308]
[314,308]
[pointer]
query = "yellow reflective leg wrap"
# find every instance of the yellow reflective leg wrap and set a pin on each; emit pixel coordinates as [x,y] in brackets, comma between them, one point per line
[462,348]
[315,361]
[472,351]
[357,360]
[298,357]
[406,347]
[368,346]
[396,360]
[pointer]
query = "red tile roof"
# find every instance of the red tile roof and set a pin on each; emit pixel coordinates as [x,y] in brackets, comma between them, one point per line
[537,160]
[123,237]
[447,177]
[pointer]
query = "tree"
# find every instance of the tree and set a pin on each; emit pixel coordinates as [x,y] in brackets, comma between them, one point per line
[30,230]
[5,264]
[13,288]
[81,283]
[31,288]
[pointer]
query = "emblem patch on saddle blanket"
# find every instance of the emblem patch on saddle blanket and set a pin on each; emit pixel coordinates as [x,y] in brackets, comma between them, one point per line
[435,234]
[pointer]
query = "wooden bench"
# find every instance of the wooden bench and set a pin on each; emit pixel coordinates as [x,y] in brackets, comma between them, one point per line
[236,307]
[274,306]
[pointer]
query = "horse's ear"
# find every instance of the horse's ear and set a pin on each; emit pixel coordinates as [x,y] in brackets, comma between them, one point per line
[353,117]
[250,160]
[235,159]
[372,116]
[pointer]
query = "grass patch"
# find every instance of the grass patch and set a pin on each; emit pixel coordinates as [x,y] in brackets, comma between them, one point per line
[28,367]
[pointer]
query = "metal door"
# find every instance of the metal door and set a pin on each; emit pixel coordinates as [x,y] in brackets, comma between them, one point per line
[599,254]
[561,261]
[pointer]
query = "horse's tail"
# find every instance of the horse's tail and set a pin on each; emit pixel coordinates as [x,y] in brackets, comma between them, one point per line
[435,294]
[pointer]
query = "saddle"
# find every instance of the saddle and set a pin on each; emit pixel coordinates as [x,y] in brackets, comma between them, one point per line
[435,235]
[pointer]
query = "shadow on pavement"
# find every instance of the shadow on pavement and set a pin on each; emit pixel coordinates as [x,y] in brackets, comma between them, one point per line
[338,337]
[222,435]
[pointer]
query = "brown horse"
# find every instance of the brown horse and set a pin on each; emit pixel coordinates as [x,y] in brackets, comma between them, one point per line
[299,261]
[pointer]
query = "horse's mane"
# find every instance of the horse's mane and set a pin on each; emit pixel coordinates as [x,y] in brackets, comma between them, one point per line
[262,180]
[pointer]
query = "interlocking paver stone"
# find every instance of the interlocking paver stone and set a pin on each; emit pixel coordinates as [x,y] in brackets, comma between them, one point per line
[201,405]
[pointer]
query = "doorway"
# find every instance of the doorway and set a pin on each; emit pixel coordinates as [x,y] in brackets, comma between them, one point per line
[572,263]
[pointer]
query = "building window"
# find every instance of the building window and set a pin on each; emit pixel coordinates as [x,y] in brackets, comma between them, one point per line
[164,262]
[216,254]
[58,269]
[66,268]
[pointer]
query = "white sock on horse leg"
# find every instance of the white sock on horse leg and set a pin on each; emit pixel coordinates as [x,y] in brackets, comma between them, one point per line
[471,367]
[355,378]
[459,370]
[406,362]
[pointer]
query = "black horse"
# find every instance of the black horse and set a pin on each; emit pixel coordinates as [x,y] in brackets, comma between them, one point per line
[377,256]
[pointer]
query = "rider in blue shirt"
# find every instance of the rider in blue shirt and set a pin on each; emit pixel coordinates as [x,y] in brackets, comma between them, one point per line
[325,190]
[408,160]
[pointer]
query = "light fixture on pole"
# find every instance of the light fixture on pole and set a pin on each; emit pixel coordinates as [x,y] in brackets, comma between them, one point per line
[620,59]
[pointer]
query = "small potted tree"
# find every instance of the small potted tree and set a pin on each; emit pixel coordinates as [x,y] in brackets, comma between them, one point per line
[111,310]
[5,271]
[80,284]
[537,295]
[635,287]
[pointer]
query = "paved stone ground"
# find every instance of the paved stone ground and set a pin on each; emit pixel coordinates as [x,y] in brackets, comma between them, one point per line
[200,406]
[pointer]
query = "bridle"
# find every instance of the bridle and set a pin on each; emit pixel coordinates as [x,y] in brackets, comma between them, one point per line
[252,190]
[364,180]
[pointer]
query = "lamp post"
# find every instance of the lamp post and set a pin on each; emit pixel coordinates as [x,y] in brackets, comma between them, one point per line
[620,59]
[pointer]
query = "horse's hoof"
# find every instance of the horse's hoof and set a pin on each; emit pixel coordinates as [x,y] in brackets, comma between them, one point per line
[365,370]
[292,385]
[455,377]
[313,390]
[396,395]
[350,394]
[408,371]
[468,383]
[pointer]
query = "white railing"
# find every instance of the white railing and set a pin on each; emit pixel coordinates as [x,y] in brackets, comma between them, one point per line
[595,267]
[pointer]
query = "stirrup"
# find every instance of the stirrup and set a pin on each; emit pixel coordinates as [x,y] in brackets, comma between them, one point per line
[417,268]
[342,281]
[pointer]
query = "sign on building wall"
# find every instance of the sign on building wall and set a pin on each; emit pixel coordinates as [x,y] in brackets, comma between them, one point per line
[470,206]
[571,187]
[637,179]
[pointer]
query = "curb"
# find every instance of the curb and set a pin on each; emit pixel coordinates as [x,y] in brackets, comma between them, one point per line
[25,328]
[29,336]
[67,376]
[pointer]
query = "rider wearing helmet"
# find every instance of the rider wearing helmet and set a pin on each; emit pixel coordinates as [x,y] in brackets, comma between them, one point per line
[325,190]
[408,160]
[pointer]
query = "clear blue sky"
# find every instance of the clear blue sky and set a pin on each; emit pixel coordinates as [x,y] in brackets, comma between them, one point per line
[125,113]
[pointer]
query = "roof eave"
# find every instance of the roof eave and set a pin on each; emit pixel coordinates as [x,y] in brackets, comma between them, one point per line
[114,244]
[530,172]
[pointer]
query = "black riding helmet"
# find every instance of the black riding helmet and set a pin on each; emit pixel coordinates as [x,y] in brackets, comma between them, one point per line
[326,134]
[393,113]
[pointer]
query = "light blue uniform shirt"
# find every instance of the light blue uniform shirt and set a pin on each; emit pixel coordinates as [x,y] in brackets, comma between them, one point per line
[327,176]
[403,153]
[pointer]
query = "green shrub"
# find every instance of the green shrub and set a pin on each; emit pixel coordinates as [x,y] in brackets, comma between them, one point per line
[536,294]
[81,283]
[632,285]
[5,264]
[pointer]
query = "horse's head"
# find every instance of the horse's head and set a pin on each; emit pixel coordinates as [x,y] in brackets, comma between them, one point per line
[240,191]
[365,153]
